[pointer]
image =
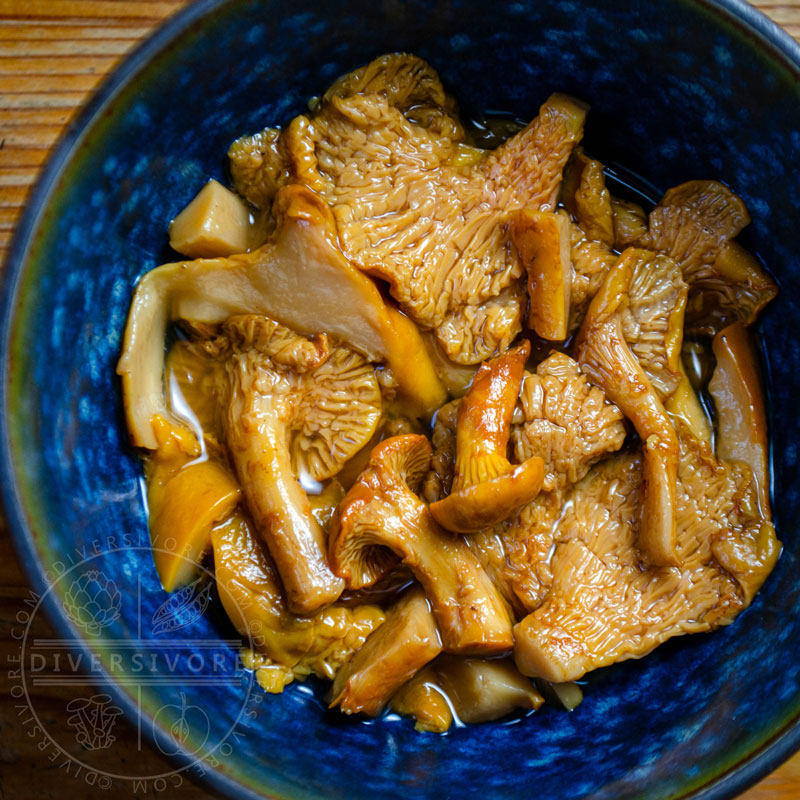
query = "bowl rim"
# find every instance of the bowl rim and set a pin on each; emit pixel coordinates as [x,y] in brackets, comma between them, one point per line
[748,19]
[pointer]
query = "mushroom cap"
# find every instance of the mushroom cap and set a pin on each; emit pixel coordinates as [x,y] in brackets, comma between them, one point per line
[694,223]
[487,488]
[483,504]
[381,503]
[331,395]
[652,322]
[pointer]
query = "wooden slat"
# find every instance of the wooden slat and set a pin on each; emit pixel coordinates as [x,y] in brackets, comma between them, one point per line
[52,65]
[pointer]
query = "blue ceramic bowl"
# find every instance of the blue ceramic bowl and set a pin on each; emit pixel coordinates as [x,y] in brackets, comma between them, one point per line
[680,89]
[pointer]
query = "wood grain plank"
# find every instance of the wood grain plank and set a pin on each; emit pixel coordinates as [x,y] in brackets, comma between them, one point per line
[56,65]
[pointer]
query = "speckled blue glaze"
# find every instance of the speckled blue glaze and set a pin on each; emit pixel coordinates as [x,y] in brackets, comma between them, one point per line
[680,90]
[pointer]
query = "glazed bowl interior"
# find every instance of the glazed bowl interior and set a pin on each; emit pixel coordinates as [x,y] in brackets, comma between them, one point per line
[678,90]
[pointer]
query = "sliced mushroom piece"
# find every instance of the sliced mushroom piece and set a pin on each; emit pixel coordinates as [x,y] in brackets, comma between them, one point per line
[187,494]
[403,645]
[736,289]
[607,360]
[253,599]
[584,193]
[423,699]
[694,224]
[482,690]
[486,487]
[542,239]
[739,401]
[471,689]
[216,223]
[293,409]
[381,518]
[300,279]
[630,223]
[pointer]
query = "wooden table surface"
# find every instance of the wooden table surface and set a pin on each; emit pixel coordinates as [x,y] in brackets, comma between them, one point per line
[53,54]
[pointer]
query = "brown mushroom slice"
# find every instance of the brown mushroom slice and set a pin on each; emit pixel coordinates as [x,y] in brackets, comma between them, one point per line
[694,223]
[739,401]
[584,193]
[653,318]
[602,606]
[736,289]
[630,223]
[288,399]
[486,487]
[300,279]
[542,239]
[607,360]
[403,644]
[482,690]
[423,699]
[253,599]
[381,518]
[591,262]
[187,494]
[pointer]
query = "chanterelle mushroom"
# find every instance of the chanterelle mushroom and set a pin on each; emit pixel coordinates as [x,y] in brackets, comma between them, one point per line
[602,607]
[381,518]
[694,223]
[486,487]
[383,147]
[293,408]
[299,278]
[571,425]
[253,599]
[405,643]
[606,356]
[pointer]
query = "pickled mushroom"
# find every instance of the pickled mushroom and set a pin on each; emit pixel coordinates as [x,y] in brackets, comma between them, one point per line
[383,148]
[542,239]
[486,487]
[382,519]
[739,403]
[602,607]
[288,646]
[476,689]
[406,641]
[300,279]
[606,358]
[694,224]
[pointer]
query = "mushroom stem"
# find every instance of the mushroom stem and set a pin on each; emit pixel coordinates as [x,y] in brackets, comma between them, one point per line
[380,512]
[487,488]
[606,359]
[739,401]
[279,506]
[394,653]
